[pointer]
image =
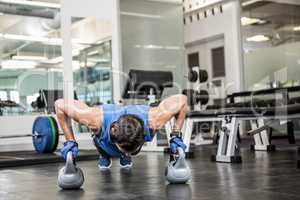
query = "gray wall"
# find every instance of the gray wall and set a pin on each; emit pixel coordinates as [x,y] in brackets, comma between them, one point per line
[145,23]
[262,65]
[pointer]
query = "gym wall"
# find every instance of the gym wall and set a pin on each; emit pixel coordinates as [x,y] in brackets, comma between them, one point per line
[262,65]
[211,27]
[152,38]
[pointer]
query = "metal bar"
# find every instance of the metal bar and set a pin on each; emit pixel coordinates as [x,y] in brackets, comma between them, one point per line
[255,133]
[188,133]
[264,134]
[19,136]
[231,144]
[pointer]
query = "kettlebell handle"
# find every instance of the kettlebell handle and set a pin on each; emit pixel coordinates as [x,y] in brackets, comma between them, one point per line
[180,162]
[181,152]
[70,164]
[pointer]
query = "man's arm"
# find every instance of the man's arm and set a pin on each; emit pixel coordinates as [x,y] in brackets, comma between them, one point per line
[173,106]
[66,110]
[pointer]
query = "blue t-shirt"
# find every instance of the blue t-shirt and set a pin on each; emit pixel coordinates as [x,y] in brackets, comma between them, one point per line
[111,113]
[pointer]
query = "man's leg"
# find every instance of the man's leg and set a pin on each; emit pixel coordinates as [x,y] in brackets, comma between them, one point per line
[125,162]
[104,161]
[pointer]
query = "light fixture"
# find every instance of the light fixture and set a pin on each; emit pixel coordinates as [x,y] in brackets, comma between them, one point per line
[44,40]
[24,38]
[54,41]
[258,38]
[249,21]
[88,64]
[172,47]
[18,64]
[56,69]
[56,60]
[93,61]
[93,53]
[32,3]
[250,2]
[34,58]
[151,46]
[133,14]
[296,28]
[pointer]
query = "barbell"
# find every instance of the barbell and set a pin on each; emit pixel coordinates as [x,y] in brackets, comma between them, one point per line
[45,134]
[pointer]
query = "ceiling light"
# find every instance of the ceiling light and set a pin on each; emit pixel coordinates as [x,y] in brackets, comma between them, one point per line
[296,28]
[34,58]
[133,14]
[54,41]
[29,38]
[44,40]
[88,64]
[249,2]
[151,46]
[92,61]
[258,38]
[17,64]
[172,47]
[32,3]
[24,38]
[56,60]
[93,53]
[55,69]
[249,21]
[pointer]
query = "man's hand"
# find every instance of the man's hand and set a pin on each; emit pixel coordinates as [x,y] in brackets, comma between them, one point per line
[69,146]
[175,142]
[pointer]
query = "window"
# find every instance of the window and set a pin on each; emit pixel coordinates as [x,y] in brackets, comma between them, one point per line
[3,95]
[218,62]
[193,60]
[14,96]
[31,98]
[271,54]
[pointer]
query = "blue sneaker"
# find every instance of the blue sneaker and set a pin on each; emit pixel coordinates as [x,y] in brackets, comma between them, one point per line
[104,163]
[125,162]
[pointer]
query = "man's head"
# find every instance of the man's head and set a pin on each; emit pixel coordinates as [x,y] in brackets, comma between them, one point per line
[128,133]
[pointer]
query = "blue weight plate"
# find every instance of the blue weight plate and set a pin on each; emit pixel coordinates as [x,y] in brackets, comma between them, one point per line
[43,142]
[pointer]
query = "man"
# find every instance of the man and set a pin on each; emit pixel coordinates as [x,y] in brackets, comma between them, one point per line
[121,131]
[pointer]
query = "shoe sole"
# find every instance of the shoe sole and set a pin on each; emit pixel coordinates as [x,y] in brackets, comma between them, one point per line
[126,166]
[105,168]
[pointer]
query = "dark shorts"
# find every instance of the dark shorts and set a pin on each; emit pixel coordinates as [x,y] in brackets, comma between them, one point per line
[98,147]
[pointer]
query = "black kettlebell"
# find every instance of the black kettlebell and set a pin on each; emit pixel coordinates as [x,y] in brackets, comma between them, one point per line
[70,176]
[177,170]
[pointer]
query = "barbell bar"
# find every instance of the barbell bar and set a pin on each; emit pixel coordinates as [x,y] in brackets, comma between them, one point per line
[45,134]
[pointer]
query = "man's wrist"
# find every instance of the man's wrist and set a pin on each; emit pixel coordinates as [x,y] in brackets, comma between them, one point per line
[175,129]
[175,134]
[73,141]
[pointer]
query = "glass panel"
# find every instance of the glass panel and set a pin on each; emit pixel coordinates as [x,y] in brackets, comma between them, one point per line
[3,96]
[14,96]
[152,38]
[271,35]
[92,61]
[30,48]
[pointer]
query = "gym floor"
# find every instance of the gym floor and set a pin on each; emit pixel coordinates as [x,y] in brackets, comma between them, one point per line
[261,176]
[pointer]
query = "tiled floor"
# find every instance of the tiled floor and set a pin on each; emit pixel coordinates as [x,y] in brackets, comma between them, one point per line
[261,176]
